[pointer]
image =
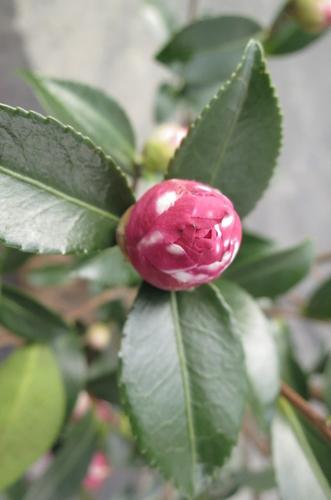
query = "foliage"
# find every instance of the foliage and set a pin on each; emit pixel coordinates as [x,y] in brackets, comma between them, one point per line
[168,379]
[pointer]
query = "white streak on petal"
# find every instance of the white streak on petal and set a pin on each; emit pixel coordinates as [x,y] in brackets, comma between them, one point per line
[214,266]
[227,221]
[175,249]
[226,243]
[217,228]
[186,277]
[226,257]
[235,249]
[205,188]
[165,201]
[151,239]
[218,247]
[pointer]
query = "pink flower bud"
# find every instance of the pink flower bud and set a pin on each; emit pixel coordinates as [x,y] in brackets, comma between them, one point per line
[181,234]
[97,472]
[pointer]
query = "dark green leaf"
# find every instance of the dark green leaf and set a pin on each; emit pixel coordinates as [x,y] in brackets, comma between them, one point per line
[319,304]
[319,446]
[29,319]
[298,472]
[327,382]
[286,35]
[62,479]
[32,409]
[251,245]
[107,268]
[183,379]
[235,142]
[208,50]
[89,111]
[275,272]
[12,259]
[290,370]
[259,347]
[59,194]
[17,490]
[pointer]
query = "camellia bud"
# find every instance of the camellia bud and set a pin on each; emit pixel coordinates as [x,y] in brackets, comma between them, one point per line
[181,234]
[160,147]
[313,15]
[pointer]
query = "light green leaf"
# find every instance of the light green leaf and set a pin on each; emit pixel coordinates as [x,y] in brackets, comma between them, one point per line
[58,193]
[208,50]
[319,304]
[259,347]
[183,379]
[235,142]
[274,272]
[32,409]
[32,321]
[64,476]
[298,473]
[89,111]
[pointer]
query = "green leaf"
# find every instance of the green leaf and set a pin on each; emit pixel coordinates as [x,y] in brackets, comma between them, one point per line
[327,382]
[59,194]
[89,111]
[251,246]
[235,142]
[286,35]
[208,50]
[274,272]
[32,321]
[12,259]
[259,347]
[107,268]
[298,473]
[319,304]
[32,408]
[290,370]
[27,318]
[64,476]
[183,379]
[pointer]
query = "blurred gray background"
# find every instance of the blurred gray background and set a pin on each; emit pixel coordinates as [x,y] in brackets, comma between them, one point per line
[110,43]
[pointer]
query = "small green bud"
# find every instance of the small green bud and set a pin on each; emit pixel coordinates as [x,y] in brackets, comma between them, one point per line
[161,146]
[313,15]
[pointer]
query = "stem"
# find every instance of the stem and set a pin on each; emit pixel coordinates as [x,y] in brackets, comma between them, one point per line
[306,411]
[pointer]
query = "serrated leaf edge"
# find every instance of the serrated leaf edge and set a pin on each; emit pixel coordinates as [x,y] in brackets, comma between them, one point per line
[218,96]
[109,163]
